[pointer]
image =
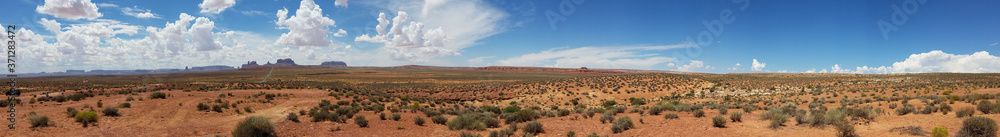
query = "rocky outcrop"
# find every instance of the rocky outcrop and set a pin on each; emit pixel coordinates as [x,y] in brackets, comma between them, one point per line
[250,64]
[333,64]
[285,62]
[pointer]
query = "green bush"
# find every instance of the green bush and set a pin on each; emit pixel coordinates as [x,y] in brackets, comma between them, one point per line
[202,107]
[906,109]
[609,103]
[111,111]
[361,121]
[465,122]
[670,116]
[71,112]
[723,110]
[607,117]
[699,113]
[292,117]
[657,109]
[978,126]
[939,132]
[467,134]
[736,116]
[86,117]
[817,119]
[945,108]
[246,108]
[965,112]
[159,95]
[985,106]
[622,124]
[533,127]
[777,118]
[571,134]
[125,105]
[100,103]
[38,121]
[439,120]
[718,121]
[523,115]
[395,117]
[845,128]
[419,121]
[217,108]
[255,126]
[562,112]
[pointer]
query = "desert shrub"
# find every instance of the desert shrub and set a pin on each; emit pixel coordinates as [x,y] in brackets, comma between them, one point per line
[736,116]
[523,115]
[939,132]
[467,134]
[571,134]
[439,120]
[906,109]
[801,117]
[111,111]
[381,116]
[985,106]
[699,113]
[816,118]
[419,121]
[292,117]
[38,120]
[464,122]
[246,108]
[361,121]
[202,107]
[71,112]
[723,110]
[255,126]
[845,128]
[911,130]
[978,127]
[159,95]
[945,108]
[965,112]
[125,105]
[776,117]
[622,124]
[395,117]
[608,117]
[86,117]
[749,108]
[100,103]
[431,113]
[533,127]
[562,112]
[657,109]
[670,116]
[609,103]
[718,121]
[217,108]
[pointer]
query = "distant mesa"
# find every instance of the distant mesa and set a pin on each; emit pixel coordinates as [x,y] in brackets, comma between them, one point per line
[250,64]
[333,64]
[290,62]
[216,67]
[285,62]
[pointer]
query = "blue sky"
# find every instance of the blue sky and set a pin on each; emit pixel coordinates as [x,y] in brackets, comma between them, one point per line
[761,36]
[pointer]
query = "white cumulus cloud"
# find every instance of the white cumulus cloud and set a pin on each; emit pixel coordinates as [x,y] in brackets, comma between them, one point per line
[340,3]
[757,66]
[139,13]
[201,35]
[215,6]
[70,9]
[735,67]
[307,28]
[695,65]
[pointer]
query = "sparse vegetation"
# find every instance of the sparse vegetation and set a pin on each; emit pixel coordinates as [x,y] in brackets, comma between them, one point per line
[939,132]
[255,126]
[718,121]
[533,127]
[419,121]
[978,126]
[38,120]
[622,124]
[86,117]
[361,121]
